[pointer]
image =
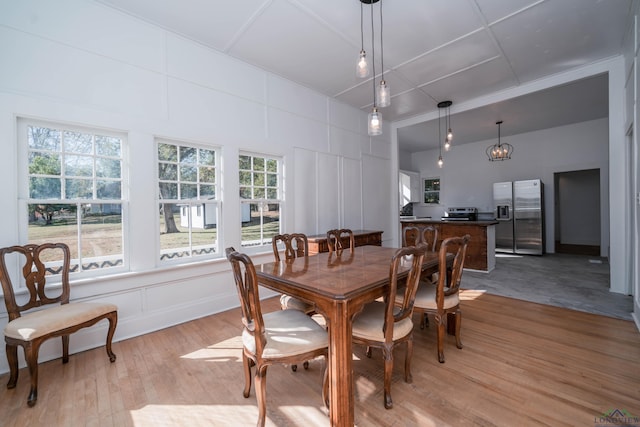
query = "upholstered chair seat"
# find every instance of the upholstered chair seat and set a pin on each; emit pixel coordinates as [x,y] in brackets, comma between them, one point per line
[369,323]
[288,333]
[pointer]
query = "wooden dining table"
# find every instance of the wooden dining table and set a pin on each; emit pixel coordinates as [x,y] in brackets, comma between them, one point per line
[339,285]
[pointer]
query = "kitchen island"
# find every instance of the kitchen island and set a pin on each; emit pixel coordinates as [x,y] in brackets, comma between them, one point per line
[481,252]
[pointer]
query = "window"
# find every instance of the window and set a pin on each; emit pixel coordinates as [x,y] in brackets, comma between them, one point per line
[260,198]
[188,200]
[74,192]
[432,191]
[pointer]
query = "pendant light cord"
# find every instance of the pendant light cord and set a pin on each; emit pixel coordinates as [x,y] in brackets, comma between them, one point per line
[381,44]
[361,26]
[439,134]
[373,58]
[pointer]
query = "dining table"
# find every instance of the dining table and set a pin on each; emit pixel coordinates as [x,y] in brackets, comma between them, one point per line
[339,284]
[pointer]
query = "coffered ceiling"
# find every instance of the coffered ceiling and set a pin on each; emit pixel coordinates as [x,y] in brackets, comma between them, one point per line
[434,50]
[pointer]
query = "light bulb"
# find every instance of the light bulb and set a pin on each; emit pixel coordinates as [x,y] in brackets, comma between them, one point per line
[450,135]
[440,162]
[362,69]
[384,94]
[447,145]
[375,122]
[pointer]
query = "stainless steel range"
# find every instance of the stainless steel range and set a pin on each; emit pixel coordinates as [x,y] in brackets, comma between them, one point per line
[461,214]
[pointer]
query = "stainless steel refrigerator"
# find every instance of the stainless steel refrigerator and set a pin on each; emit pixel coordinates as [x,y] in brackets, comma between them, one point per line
[519,210]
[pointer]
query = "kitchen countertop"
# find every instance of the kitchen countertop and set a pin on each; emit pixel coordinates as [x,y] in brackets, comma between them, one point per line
[438,221]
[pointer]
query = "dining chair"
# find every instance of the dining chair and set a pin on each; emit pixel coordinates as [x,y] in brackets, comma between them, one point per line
[429,235]
[278,337]
[335,240]
[47,313]
[295,245]
[383,324]
[413,235]
[443,299]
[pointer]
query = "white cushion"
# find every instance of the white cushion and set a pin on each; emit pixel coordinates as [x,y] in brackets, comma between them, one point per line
[289,332]
[287,302]
[36,324]
[426,298]
[368,324]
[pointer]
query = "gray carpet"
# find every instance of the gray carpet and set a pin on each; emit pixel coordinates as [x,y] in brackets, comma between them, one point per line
[577,282]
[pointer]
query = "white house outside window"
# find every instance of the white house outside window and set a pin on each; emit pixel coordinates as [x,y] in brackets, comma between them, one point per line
[188,200]
[260,198]
[74,192]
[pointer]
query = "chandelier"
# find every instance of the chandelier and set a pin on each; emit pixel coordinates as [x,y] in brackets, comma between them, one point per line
[381,94]
[499,152]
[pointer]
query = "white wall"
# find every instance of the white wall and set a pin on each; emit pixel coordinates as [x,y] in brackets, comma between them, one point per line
[79,62]
[632,154]
[467,175]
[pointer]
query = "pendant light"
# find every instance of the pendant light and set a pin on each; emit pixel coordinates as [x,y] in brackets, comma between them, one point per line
[384,94]
[362,68]
[447,123]
[440,161]
[375,118]
[499,152]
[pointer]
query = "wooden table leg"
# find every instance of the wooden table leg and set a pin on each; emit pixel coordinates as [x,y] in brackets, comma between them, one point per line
[341,410]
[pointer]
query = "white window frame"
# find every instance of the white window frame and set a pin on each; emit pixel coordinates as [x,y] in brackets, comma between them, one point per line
[424,190]
[190,206]
[263,242]
[81,263]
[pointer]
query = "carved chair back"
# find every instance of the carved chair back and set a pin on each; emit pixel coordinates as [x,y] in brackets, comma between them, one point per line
[244,274]
[295,245]
[335,240]
[413,235]
[449,278]
[412,257]
[34,275]
[430,236]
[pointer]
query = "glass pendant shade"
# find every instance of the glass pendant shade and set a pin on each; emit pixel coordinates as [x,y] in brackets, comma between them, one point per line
[440,162]
[384,95]
[362,69]
[447,145]
[449,135]
[375,122]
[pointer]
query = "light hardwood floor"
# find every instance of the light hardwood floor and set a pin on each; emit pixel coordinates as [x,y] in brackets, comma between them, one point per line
[522,364]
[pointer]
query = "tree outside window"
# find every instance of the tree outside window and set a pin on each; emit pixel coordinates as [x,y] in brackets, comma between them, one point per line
[74,193]
[188,200]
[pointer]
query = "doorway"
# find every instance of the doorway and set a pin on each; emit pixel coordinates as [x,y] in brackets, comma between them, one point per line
[577,212]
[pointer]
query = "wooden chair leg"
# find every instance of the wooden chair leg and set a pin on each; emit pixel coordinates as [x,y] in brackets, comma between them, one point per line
[261,394]
[113,322]
[458,321]
[440,336]
[246,364]
[408,378]
[388,371]
[65,349]
[31,355]
[12,359]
